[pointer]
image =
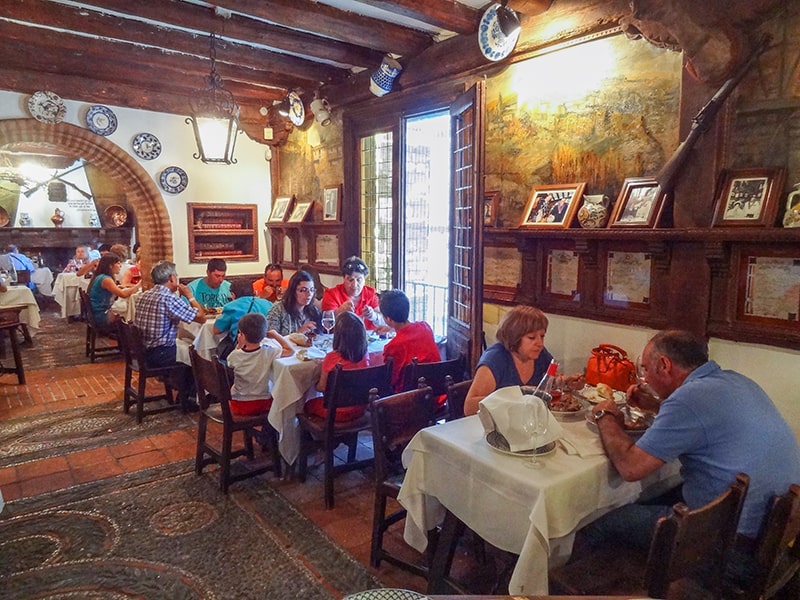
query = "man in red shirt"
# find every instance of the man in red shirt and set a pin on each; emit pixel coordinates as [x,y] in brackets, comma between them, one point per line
[354,295]
[412,339]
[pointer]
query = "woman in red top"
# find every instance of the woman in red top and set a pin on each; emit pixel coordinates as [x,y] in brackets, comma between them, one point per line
[349,349]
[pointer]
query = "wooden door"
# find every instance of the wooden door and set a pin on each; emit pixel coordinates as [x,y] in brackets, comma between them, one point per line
[465,310]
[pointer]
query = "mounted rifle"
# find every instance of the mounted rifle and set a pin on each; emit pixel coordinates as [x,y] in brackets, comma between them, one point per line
[702,120]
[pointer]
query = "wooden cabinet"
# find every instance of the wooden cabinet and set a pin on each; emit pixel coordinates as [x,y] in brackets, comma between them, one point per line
[319,244]
[222,231]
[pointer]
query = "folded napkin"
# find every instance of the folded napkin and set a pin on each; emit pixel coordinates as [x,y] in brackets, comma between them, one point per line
[507,410]
[583,446]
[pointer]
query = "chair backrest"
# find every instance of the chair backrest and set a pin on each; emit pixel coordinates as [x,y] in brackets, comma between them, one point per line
[395,420]
[778,552]
[351,387]
[695,543]
[213,386]
[23,277]
[456,394]
[434,374]
[86,307]
[131,343]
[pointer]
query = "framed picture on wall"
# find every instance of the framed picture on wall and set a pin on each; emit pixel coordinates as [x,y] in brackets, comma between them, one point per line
[279,210]
[331,203]
[552,206]
[299,212]
[491,204]
[639,204]
[748,197]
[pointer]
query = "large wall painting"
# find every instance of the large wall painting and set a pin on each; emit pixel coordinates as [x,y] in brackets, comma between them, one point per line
[597,113]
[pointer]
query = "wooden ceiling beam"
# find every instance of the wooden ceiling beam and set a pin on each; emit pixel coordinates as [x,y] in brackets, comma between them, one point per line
[335,24]
[59,51]
[171,14]
[444,14]
[48,14]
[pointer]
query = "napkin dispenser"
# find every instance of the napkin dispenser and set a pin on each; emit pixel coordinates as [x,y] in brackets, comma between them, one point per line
[506,410]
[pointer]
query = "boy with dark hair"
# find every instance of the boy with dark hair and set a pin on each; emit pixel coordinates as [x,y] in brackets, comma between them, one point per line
[212,291]
[412,339]
[251,362]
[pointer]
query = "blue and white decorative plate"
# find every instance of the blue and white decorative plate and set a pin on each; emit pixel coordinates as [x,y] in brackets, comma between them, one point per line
[101,120]
[494,44]
[297,112]
[174,180]
[146,146]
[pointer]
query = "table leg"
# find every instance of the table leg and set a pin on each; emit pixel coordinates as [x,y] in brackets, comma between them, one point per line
[438,581]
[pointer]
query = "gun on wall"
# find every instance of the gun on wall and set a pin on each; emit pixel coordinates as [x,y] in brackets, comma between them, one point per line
[702,120]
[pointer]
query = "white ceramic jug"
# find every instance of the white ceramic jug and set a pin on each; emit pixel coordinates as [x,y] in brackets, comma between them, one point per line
[792,216]
[594,212]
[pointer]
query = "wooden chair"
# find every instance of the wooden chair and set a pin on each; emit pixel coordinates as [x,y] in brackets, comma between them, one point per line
[345,388]
[435,375]
[395,420]
[777,552]
[132,346]
[93,332]
[9,323]
[456,394]
[214,395]
[688,546]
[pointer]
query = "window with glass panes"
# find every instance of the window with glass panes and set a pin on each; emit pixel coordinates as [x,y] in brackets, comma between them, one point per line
[376,208]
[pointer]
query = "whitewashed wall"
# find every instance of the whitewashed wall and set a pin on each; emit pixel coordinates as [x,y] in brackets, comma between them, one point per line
[571,340]
[247,182]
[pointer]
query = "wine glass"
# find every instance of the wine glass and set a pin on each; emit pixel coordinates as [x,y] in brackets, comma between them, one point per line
[328,320]
[535,425]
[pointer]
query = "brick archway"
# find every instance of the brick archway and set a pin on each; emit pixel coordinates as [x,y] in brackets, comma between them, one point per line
[152,218]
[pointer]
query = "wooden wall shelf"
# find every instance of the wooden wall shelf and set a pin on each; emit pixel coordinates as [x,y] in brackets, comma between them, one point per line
[320,245]
[222,231]
[698,279]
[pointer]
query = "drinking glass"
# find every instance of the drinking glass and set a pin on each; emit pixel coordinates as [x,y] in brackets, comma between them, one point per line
[536,426]
[328,320]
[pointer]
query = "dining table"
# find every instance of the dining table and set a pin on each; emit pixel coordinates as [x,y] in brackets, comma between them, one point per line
[453,471]
[65,292]
[20,295]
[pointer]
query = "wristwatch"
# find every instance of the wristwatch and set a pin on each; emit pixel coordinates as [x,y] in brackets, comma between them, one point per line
[600,414]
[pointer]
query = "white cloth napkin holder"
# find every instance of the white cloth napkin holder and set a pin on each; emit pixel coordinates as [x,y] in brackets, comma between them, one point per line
[505,411]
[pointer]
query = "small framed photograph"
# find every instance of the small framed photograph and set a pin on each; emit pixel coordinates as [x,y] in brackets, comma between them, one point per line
[279,210]
[299,212]
[331,203]
[748,197]
[639,204]
[552,206]
[491,204]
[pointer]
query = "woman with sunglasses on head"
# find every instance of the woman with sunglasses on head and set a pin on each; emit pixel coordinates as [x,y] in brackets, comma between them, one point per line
[353,295]
[296,312]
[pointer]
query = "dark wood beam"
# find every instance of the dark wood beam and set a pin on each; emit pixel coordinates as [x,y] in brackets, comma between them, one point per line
[42,12]
[172,13]
[444,14]
[329,22]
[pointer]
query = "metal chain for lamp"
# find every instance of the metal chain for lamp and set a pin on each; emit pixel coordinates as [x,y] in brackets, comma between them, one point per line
[214,99]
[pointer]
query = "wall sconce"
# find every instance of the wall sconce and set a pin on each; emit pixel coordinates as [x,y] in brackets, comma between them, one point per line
[322,111]
[283,107]
[214,118]
[381,81]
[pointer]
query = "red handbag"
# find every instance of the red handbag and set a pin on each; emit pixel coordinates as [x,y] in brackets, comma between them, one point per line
[610,365]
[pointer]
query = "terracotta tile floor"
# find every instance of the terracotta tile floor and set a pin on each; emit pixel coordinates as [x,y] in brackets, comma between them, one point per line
[53,389]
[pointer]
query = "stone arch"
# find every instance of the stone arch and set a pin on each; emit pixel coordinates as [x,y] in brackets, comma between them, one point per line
[152,218]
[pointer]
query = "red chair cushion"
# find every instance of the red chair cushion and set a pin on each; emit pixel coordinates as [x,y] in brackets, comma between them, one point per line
[315,407]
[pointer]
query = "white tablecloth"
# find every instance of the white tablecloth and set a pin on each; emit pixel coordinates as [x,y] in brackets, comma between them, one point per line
[65,292]
[531,513]
[42,278]
[126,307]
[20,295]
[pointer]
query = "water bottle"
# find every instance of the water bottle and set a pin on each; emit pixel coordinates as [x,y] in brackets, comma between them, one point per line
[545,388]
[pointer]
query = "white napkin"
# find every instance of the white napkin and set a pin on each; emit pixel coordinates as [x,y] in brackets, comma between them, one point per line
[581,445]
[505,410]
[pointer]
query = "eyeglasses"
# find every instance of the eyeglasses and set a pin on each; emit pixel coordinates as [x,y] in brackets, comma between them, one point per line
[306,290]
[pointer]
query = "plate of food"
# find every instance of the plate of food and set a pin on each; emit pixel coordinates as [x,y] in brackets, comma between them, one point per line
[636,422]
[213,311]
[594,394]
[498,442]
[567,406]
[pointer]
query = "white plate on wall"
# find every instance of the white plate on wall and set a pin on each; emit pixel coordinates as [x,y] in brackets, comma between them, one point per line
[494,44]
[101,120]
[174,180]
[47,107]
[146,146]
